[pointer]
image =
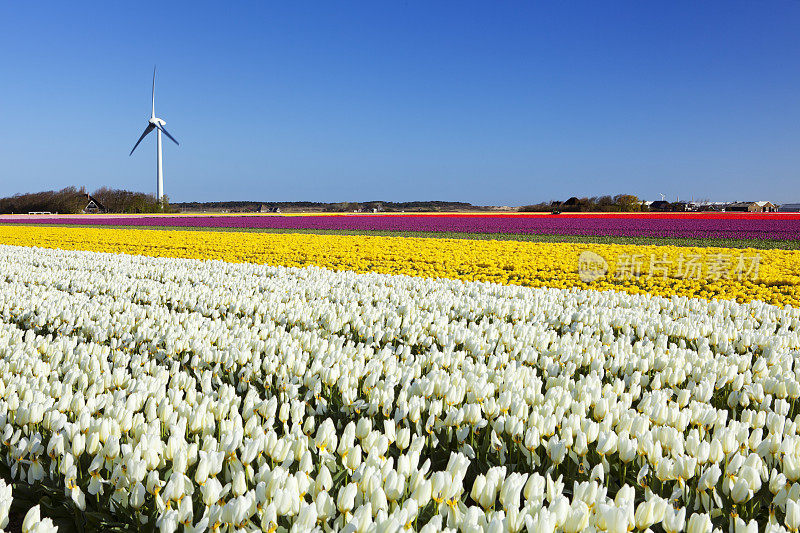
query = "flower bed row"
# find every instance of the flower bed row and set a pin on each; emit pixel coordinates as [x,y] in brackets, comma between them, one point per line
[211,395]
[745,226]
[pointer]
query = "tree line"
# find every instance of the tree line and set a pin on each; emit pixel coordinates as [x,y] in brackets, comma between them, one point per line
[620,202]
[72,200]
[331,207]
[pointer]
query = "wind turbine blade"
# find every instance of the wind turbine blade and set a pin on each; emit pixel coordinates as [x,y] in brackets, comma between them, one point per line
[154,92]
[168,135]
[147,130]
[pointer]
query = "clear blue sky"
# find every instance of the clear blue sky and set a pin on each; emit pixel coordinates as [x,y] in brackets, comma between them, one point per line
[484,102]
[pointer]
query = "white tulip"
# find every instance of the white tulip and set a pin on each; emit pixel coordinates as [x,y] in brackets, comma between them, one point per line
[792,515]
[674,520]
[33,523]
[5,503]
[346,498]
[577,518]
[699,523]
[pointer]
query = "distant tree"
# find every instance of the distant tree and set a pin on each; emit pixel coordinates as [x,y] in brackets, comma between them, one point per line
[576,204]
[606,203]
[344,207]
[628,202]
[122,201]
[620,202]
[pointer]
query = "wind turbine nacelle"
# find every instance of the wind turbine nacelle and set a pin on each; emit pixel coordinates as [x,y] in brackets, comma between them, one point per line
[155,121]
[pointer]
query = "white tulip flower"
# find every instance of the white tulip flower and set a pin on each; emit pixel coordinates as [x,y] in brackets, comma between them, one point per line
[5,503]
[33,523]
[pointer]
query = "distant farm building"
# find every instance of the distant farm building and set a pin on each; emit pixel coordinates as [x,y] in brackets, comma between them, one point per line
[789,208]
[94,206]
[752,207]
[767,207]
[738,206]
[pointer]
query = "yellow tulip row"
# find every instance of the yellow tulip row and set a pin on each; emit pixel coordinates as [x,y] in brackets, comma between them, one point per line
[772,276]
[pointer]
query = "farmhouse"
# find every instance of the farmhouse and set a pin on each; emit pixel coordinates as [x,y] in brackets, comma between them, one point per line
[94,206]
[752,207]
[659,205]
[742,206]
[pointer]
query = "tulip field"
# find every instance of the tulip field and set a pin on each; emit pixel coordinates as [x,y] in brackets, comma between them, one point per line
[757,226]
[226,381]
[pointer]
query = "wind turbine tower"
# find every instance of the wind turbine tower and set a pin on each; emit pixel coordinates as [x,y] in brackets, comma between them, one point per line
[158,124]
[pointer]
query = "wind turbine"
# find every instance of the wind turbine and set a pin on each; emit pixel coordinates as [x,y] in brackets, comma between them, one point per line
[156,123]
